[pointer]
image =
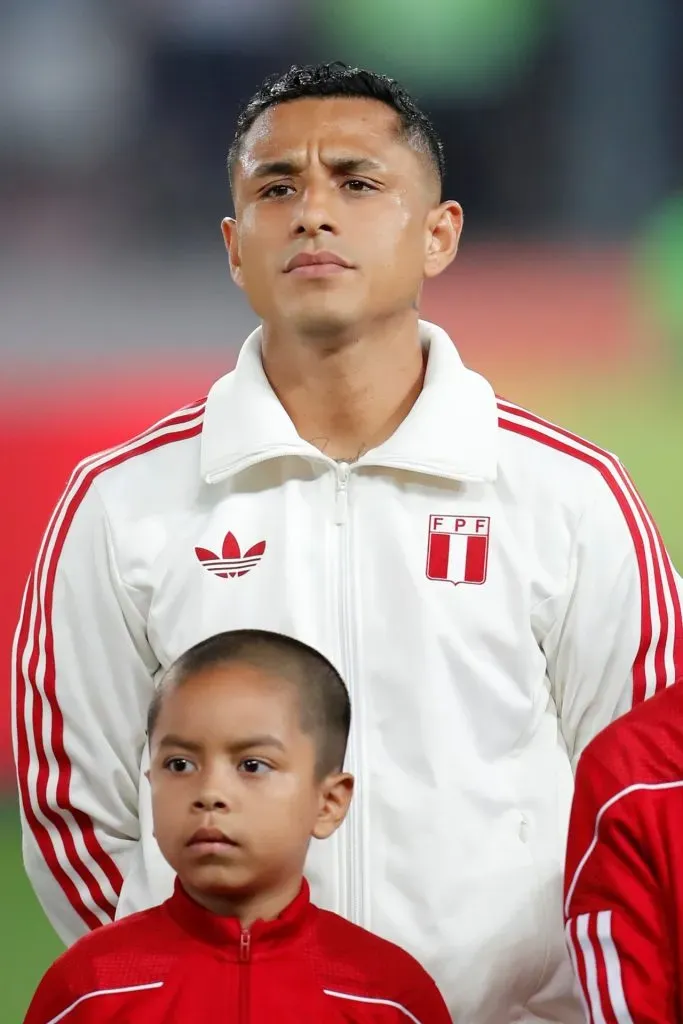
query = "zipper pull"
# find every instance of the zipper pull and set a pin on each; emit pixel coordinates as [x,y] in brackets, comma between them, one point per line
[342,502]
[245,946]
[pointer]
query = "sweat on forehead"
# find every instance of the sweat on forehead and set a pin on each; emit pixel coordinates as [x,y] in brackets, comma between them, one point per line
[323,697]
[358,133]
[335,80]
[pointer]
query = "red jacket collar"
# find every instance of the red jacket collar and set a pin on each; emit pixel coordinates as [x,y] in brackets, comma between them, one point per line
[227,932]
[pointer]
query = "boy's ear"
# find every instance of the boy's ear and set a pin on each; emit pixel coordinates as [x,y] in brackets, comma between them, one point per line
[336,791]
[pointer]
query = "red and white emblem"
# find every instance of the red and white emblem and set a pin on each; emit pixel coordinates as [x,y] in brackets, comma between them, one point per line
[231,561]
[458,548]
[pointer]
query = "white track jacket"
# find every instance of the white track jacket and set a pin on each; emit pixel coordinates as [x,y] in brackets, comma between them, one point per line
[491,587]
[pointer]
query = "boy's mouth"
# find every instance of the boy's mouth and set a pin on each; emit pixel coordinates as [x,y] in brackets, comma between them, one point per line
[210,839]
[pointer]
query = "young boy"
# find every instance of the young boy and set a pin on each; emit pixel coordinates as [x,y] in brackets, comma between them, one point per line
[247,735]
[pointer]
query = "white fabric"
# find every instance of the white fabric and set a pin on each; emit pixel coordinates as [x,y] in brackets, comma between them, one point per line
[470,702]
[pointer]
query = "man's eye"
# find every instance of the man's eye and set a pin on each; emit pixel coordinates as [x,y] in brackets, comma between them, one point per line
[179,765]
[276,191]
[252,766]
[356,185]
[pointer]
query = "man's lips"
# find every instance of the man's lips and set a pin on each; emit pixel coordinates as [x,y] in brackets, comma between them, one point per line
[312,264]
[210,837]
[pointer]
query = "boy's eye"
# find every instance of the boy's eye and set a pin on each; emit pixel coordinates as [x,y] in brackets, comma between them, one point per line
[179,765]
[252,766]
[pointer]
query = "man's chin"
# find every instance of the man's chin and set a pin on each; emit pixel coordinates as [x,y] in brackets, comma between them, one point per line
[330,327]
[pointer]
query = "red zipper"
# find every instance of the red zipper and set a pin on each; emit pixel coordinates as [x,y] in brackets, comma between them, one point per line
[245,976]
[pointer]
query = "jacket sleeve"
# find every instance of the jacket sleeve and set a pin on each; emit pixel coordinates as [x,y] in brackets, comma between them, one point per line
[53,996]
[615,904]
[618,637]
[420,996]
[82,680]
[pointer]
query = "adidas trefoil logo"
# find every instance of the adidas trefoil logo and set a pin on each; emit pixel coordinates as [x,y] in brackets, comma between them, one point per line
[231,562]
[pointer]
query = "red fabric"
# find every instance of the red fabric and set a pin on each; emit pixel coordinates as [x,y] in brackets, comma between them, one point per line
[624,871]
[181,963]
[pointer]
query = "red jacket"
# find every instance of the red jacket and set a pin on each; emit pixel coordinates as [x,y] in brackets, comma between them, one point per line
[181,963]
[624,874]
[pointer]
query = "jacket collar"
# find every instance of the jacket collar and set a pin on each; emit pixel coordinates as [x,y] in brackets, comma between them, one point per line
[450,432]
[226,932]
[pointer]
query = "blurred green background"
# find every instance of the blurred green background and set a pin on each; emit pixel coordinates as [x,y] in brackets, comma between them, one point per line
[28,945]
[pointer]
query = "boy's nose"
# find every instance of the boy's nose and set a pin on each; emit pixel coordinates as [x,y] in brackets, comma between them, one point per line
[210,801]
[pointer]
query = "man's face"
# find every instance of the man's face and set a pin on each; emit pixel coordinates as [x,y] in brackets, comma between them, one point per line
[234,790]
[334,176]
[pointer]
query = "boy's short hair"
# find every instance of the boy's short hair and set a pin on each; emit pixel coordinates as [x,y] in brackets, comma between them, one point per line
[324,699]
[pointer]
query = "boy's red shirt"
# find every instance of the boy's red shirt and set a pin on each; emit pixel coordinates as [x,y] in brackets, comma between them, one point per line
[180,963]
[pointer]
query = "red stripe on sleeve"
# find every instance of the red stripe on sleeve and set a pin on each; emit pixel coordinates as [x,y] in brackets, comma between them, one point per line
[579,965]
[41,834]
[665,585]
[42,630]
[601,970]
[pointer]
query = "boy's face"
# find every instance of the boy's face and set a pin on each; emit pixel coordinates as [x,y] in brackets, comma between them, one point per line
[235,794]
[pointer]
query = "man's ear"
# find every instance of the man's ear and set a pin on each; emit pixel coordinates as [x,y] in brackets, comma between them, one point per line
[336,791]
[229,232]
[444,227]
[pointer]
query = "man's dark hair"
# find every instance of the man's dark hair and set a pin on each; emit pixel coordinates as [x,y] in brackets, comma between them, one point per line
[316,81]
[324,699]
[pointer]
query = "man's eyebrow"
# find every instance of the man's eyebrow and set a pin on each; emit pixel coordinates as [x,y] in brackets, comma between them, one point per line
[271,168]
[340,165]
[354,164]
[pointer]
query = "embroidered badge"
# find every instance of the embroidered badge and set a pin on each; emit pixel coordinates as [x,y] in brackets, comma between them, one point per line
[458,548]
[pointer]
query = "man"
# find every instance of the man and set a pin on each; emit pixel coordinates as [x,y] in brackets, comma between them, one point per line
[624,900]
[492,587]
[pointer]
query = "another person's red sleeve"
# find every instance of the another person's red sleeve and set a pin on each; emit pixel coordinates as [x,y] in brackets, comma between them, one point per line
[616,901]
[53,996]
[421,996]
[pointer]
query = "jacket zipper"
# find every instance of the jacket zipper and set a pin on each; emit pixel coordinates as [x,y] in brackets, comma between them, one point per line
[352,852]
[342,501]
[245,976]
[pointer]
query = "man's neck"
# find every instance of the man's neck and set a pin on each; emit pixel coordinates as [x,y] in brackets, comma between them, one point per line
[350,395]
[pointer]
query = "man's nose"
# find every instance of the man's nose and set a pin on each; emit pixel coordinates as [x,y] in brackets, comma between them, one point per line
[313,215]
